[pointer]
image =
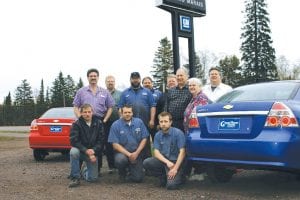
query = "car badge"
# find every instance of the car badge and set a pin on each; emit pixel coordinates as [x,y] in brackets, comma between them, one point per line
[56,120]
[228,107]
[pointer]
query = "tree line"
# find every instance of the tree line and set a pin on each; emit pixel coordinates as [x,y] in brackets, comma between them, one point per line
[25,107]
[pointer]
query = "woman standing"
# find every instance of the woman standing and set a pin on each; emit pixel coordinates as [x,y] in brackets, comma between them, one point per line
[198,98]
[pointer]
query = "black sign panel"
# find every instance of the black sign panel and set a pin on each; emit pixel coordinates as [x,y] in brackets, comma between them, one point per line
[195,7]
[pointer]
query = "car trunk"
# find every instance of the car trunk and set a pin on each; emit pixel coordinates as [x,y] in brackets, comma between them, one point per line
[233,120]
[57,127]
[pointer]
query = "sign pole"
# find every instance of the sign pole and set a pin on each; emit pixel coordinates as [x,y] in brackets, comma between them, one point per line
[182,12]
[175,39]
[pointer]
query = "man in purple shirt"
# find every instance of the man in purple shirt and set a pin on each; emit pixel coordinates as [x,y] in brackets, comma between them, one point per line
[100,99]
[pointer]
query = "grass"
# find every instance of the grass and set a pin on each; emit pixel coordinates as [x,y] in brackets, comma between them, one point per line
[6,131]
[5,138]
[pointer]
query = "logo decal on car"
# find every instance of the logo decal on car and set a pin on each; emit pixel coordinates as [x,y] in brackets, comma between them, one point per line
[228,107]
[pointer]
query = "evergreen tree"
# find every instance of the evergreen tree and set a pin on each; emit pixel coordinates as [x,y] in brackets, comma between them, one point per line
[163,64]
[41,106]
[63,91]
[47,99]
[231,71]
[70,90]
[8,113]
[24,103]
[58,91]
[258,55]
[79,84]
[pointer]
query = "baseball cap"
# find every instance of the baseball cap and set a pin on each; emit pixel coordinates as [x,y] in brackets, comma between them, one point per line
[135,75]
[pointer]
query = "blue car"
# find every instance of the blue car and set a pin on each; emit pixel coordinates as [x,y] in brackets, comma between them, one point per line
[253,127]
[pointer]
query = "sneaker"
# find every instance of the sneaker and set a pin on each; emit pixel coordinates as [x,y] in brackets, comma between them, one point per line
[196,177]
[74,183]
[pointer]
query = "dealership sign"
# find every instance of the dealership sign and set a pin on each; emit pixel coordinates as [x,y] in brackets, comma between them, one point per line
[194,7]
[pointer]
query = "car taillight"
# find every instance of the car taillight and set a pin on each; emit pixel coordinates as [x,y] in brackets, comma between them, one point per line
[281,116]
[33,126]
[193,121]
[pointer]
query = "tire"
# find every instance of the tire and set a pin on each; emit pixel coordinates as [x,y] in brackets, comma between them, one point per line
[39,155]
[219,174]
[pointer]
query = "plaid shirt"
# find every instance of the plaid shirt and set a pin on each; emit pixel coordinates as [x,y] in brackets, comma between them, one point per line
[177,101]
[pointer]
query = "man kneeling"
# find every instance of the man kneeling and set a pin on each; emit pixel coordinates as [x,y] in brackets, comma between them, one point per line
[128,136]
[86,138]
[169,154]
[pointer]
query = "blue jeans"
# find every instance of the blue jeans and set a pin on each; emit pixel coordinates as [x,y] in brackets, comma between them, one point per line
[136,171]
[90,173]
[157,168]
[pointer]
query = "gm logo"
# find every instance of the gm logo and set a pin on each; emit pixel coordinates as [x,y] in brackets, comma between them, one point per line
[228,107]
[185,23]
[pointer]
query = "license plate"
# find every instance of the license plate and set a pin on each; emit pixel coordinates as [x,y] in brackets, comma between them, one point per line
[228,124]
[55,129]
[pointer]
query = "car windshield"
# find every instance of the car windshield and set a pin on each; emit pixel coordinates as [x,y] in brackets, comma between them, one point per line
[261,92]
[59,113]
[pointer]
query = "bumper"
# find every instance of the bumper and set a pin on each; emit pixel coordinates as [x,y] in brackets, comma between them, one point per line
[49,142]
[268,150]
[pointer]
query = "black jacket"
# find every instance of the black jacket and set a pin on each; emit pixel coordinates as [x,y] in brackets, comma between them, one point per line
[84,137]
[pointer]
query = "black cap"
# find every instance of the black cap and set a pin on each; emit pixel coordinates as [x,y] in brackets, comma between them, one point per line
[135,75]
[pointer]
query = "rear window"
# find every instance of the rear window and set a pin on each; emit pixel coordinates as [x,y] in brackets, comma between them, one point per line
[262,92]
[59,113]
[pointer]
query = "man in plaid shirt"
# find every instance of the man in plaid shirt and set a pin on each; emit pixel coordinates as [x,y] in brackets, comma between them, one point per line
[178,98]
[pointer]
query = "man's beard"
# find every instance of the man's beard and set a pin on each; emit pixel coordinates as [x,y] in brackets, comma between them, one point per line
[135,86]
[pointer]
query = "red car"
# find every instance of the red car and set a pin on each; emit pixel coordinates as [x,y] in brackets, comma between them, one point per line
[51,132]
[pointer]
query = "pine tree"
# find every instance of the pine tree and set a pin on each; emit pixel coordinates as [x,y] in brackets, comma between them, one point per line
[41,106]
[79,84]
[58,91]
[258,55]
[24,104]
[70,90]
[163,64]
[8,113]
[231,71]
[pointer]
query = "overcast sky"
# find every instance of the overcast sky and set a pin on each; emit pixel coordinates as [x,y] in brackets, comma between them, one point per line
[40,38]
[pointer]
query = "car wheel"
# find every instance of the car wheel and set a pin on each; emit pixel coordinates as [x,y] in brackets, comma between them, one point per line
[219,174]
[39,155]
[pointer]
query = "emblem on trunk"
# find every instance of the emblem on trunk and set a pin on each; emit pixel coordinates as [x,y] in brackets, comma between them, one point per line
[228,107]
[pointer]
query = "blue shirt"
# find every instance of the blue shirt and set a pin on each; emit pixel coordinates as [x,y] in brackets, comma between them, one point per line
[169,144]
[156,94]
[128,136]
[141,100]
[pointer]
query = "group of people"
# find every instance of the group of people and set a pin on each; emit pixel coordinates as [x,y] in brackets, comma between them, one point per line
[124,124]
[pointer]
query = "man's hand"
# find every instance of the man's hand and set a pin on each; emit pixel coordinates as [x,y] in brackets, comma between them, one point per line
[151,124]
[133,156]
[90,152]
[172,173]
[93,158]
[170,165]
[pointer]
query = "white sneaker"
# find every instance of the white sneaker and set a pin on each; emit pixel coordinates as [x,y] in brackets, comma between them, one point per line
[196,177]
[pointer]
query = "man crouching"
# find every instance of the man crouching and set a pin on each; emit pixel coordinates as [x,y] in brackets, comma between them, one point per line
[86,139]
[169,154]
[128,136]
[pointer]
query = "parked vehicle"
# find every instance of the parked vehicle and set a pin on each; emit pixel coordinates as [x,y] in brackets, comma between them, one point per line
[253,127]
[51,132]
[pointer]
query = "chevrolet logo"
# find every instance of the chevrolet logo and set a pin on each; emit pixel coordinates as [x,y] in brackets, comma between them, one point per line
[228,107]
